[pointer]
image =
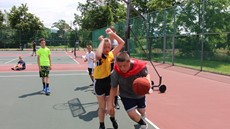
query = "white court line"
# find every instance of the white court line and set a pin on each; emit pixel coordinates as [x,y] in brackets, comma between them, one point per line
[72,58]
[51,75]
[150,122]
[53,71]
[10,61]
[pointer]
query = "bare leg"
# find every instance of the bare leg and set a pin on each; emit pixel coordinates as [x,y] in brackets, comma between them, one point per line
[101,108]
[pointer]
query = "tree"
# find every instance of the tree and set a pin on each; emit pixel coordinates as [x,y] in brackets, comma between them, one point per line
[216,21]
[191,17]
[63,28]
[25,23]
[1,19]
[212,16]
[63,32]
[95,15]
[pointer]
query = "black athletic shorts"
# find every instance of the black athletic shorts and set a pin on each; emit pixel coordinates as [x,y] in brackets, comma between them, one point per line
[90,70]
[102,86]
[130,104]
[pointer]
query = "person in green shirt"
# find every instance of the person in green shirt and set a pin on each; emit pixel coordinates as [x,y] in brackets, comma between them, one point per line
[44,65]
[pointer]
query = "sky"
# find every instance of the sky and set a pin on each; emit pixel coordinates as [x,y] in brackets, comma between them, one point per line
[48,11]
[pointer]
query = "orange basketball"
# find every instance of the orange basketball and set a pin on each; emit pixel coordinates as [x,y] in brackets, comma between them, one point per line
[141,86]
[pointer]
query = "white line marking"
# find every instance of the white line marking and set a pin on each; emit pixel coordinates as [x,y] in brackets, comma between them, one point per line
[53,71]
[10,61]
[150,122]
[51,75]
[72,58]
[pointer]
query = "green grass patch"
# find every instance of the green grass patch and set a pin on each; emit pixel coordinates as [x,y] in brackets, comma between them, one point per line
[210,66]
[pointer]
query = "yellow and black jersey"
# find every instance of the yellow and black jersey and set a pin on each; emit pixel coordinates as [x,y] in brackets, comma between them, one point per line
[103,66]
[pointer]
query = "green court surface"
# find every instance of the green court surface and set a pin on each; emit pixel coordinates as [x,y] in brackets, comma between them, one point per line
[71,104]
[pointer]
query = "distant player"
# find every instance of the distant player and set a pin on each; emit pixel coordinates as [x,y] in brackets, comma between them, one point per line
[34,48]
[90,58]
[44,65]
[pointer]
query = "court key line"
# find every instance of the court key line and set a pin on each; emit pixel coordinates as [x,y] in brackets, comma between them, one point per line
[10,61]
[72,58]
[12,76]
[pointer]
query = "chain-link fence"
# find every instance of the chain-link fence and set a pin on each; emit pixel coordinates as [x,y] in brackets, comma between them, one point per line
[195,35]
[17,39]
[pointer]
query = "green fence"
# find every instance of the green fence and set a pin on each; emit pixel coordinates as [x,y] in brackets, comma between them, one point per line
[17,39]
[194,35]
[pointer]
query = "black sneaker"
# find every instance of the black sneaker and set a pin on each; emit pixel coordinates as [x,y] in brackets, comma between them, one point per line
[117,106]
[115,125]
[102,127]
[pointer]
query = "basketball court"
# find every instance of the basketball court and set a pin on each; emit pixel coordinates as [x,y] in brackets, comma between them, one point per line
[193,100]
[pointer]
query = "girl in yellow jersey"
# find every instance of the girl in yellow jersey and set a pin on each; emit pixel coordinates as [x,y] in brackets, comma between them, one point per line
[102,71]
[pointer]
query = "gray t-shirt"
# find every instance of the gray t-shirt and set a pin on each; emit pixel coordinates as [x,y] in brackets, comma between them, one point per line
[114,43]
[125,84]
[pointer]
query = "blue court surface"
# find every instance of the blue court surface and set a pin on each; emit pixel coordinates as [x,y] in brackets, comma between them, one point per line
[71,105]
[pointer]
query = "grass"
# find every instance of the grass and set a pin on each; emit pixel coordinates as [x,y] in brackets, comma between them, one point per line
[210,66]
[219,67]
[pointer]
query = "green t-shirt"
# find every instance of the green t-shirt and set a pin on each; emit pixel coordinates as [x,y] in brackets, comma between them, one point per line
[43,54]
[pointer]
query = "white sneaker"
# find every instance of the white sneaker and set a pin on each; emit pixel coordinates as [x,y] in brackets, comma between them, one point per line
[144,126]
[118,97]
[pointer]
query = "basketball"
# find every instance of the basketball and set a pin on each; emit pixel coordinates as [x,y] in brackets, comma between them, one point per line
[141,86]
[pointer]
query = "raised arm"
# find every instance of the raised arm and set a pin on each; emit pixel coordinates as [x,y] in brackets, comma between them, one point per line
[120,41]
[99,50]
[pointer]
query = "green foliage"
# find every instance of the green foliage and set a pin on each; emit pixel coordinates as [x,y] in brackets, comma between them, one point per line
[73,37]
[25,22]
[1,19]
[8,38]
[96,15]
[62,27]
[159,4]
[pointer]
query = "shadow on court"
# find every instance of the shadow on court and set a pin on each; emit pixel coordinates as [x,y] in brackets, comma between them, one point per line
[78,109]
[30,94]
[84,88]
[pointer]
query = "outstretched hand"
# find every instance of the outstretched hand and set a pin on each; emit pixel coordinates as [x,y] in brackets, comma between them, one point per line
[109,31]
[101,38]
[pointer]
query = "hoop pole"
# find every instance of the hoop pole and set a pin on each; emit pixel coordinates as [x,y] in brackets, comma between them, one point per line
[127,31]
